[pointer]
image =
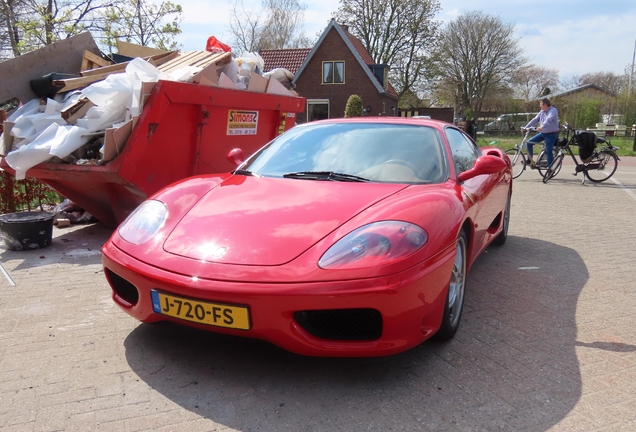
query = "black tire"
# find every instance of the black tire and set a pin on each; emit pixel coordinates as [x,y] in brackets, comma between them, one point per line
[456,289]
[517,160]
[503,235]
[542,164]
[607,164]
[553,169]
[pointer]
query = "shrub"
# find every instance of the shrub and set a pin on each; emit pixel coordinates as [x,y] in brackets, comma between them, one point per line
[354,106]
[25,195]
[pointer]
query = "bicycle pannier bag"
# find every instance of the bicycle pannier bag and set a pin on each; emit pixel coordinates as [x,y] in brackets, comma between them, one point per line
[587,143]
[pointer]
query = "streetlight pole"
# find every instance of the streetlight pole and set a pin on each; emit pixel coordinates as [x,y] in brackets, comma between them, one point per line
[629,90]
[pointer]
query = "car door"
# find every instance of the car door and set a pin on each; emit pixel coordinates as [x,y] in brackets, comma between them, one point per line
[478,193]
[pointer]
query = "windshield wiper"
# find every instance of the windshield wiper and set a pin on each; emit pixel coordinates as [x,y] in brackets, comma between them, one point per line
[245,173]
[325,175]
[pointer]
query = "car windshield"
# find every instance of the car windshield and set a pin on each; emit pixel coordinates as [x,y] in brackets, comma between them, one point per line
[349,151]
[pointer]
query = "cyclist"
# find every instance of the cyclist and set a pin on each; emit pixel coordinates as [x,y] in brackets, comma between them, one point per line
[548,119]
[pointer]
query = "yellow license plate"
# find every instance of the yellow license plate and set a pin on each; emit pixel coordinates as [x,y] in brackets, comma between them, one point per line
[214,314]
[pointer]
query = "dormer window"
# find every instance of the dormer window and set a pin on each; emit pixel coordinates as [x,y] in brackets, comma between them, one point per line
[381,72]
[333,72]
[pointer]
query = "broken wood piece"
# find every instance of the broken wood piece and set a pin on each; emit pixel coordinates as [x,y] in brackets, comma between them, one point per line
[92,61]
[76,110]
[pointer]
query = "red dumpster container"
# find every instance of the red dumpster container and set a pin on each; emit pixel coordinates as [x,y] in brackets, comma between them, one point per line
[183,130]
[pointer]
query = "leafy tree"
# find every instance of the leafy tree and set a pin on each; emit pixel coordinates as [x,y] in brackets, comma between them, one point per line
[354,106]
[32,24]
[277,25]
[399,33]
[477,58]
[26,25]
[532,82]
[10,11]
[581,113]
[143,22]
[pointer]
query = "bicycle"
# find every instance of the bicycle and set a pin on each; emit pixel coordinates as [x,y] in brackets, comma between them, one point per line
[600,166]
[519,160]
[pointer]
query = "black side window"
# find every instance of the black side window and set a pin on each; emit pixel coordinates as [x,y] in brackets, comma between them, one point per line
[465,152]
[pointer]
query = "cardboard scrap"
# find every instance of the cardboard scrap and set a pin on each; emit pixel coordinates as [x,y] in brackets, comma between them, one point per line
[64,57]
[257,83]
[7,138]
[133,50]
[226,82]
[115,139]
[275,87]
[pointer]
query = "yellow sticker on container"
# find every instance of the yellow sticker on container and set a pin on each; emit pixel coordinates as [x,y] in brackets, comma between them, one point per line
[242,122]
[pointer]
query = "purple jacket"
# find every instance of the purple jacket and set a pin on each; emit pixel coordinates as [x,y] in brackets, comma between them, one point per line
[548,120]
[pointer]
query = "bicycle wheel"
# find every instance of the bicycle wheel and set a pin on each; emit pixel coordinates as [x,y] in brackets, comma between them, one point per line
[553,169]
[542,164]
[602,166]
[517,160]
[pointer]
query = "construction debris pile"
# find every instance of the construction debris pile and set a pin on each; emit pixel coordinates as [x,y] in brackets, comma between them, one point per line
[81,118]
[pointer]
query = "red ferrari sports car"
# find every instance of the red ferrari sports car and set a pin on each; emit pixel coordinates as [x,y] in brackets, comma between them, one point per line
[343,237]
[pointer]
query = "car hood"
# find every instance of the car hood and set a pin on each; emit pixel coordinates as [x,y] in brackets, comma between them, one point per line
[268,221]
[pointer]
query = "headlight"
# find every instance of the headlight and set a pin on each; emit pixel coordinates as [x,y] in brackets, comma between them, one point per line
[372,245]
[144,222]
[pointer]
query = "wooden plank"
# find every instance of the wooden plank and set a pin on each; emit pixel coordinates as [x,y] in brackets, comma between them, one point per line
[62,57]
[216,58]
[180,61]
[158,59]
[186,60]
[75,83]
[76,110]
[133,50]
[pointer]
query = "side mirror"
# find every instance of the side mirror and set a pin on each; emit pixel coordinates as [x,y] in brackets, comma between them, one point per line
[235,156]
[484,165]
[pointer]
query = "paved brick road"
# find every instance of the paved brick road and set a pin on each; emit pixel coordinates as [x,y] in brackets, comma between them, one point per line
[547,342]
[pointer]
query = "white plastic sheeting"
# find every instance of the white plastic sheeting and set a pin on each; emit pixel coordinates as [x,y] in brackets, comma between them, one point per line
[44,133]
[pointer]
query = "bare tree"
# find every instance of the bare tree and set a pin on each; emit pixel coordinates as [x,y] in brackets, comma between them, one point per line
[477,56]
[245,26]
[399,33]
[532,82]
[606,80]
[278,24]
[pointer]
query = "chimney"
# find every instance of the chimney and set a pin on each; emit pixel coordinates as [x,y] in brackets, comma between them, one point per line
[344,27]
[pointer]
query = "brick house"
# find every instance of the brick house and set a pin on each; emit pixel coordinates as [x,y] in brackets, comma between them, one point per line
[335,68]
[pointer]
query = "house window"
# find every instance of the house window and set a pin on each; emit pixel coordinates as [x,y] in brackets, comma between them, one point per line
[317,109]
[333,72]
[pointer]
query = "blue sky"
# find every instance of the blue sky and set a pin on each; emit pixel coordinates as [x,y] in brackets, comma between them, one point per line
[574,37]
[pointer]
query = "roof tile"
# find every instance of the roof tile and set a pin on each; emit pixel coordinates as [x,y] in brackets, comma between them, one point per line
[290,59]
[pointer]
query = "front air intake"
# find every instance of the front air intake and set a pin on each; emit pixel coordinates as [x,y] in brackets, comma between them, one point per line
[341,324]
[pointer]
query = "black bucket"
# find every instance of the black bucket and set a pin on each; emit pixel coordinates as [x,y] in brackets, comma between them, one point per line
[26,230]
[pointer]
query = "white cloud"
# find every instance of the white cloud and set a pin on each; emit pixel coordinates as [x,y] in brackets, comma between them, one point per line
[591,39]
